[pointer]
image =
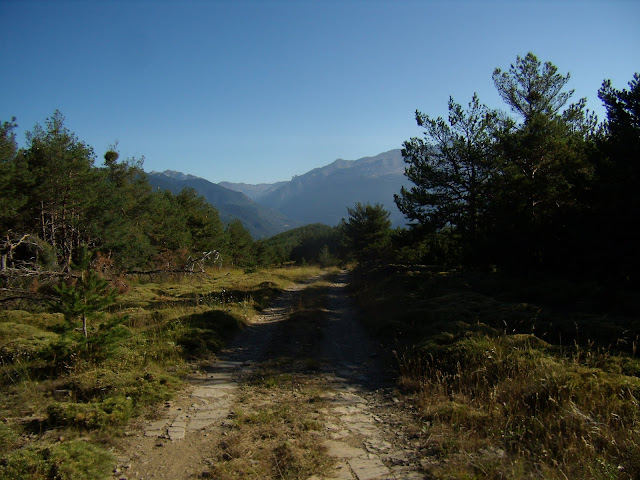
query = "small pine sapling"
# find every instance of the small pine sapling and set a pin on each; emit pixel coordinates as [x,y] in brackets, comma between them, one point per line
[82,299]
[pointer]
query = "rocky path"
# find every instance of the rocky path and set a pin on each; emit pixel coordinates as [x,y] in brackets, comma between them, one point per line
[364,428]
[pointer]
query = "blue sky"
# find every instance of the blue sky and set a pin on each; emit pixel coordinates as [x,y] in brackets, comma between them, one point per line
[257,92]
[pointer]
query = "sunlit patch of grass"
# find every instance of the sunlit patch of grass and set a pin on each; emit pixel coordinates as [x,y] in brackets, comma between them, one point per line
[69,460]
[541,411]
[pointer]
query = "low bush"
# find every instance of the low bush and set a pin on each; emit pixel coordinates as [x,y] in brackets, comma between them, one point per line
[111,412]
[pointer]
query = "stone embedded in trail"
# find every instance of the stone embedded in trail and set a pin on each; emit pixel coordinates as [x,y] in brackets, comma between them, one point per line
[377,445]
[156,429]
[343,450]
[348,398]
[370,468]
[177,429]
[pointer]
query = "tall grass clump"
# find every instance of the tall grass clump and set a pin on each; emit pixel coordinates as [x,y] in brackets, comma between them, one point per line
[544,413]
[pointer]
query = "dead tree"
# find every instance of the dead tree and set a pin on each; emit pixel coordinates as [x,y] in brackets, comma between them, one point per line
[8,247]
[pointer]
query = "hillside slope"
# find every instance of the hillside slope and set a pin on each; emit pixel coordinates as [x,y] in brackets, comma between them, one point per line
[323,194]
[261,221]
[254,192]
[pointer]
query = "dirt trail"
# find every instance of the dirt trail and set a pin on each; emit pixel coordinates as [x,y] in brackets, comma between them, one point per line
[364,430]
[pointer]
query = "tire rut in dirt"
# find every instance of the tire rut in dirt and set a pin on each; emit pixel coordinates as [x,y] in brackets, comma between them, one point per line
[348,351]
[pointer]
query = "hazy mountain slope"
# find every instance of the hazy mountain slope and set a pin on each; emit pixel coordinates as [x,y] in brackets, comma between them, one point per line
[323,194]
[254,192]
[261,221]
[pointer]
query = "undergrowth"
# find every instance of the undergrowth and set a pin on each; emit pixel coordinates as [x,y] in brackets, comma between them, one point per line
[513,378]
[65,396]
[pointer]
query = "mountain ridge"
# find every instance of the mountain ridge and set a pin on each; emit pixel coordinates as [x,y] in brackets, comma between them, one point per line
[321,195]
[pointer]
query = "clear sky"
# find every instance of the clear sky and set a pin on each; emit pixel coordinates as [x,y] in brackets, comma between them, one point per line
[259,91]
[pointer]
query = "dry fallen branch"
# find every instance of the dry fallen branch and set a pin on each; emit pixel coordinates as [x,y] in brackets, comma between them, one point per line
[192,266]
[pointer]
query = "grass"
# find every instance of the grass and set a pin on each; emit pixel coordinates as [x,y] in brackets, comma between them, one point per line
[63,401]
[274,434]
[70,460]
[513,377]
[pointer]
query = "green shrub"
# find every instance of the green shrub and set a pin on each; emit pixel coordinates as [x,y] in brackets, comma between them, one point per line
[21,341]
[111,412]
[73,460]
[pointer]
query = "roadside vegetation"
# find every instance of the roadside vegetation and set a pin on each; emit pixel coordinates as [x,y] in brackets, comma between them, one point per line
[513,377]
[65,397]
[511,301]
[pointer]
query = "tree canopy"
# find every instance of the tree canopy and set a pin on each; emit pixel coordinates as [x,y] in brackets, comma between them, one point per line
[451,169]
[534,190]
[532,88]
[59,204]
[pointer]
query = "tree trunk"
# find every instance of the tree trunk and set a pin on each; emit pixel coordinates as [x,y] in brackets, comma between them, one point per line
[84,325]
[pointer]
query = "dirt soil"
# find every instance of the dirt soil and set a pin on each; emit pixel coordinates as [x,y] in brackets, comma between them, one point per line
[362,427]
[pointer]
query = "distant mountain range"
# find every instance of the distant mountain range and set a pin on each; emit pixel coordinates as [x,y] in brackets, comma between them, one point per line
[319,196]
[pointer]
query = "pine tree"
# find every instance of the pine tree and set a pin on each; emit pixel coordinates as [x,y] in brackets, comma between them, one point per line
[87,296]
[64,188]
[240,246]
[544,160]
[451,169]
[366,234]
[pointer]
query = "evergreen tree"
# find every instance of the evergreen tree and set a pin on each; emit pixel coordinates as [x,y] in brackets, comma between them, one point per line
[544,160]
[616,200]
[531,88]
[79,300]
[64,187]
[451,169]
[120,217]
[366,235]
[240,245]
[203,222]
[15,181]
[164,222]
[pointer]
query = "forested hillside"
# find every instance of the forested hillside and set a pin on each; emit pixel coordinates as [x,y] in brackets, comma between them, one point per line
[261,221]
